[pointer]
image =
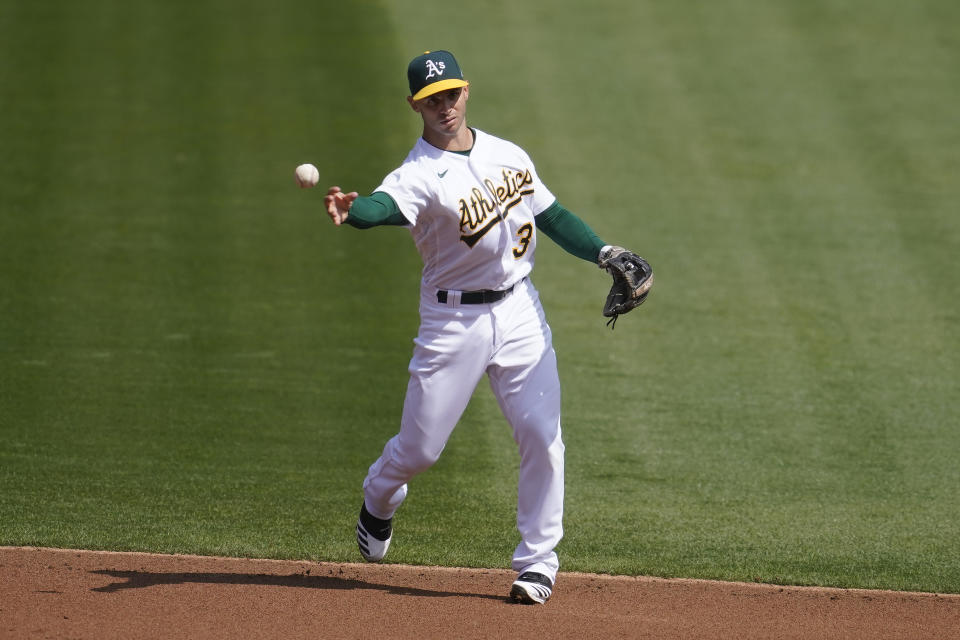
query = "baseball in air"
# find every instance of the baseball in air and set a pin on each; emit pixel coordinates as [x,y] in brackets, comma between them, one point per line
[307,176]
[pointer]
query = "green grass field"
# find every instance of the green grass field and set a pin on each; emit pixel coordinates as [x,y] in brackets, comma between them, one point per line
[193,359]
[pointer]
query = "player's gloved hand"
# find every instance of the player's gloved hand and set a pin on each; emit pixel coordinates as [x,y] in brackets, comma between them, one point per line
[632,279]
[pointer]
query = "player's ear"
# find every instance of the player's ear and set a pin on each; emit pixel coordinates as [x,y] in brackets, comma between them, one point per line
[412,103]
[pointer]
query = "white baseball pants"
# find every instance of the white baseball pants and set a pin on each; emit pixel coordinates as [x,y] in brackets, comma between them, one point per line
[510,341]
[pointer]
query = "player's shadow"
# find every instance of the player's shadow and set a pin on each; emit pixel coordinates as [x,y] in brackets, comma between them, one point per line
[143,579]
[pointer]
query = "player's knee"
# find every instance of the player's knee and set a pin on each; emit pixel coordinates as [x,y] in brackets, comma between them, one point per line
[538,434]
[417,458]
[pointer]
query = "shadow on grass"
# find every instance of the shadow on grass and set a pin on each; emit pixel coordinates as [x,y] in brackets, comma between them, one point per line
[143,579]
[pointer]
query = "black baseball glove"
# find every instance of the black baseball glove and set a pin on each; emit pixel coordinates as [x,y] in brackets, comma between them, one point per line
[632,279]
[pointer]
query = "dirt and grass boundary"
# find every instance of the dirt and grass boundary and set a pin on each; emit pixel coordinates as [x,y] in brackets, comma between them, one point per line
[55,593]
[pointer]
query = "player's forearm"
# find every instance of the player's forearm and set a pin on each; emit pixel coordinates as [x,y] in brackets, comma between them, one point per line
[374,210]
[570,232]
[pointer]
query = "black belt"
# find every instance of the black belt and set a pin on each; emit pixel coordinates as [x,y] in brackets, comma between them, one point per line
[476,297]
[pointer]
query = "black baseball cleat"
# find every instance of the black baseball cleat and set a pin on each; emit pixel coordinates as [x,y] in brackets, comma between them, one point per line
[373,535]
[531,588]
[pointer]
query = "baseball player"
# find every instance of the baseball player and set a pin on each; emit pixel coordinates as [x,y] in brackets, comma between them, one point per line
[474,205]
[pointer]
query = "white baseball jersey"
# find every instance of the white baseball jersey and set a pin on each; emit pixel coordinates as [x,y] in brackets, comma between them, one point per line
[471,216]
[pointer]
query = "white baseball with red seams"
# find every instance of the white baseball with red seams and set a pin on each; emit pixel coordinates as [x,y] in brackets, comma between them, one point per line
[307,176]
[472,219]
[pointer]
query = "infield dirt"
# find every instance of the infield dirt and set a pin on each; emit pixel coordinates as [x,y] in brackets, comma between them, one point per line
[47,593]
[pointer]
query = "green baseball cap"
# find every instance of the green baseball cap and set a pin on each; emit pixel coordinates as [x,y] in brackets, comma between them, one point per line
[432,72]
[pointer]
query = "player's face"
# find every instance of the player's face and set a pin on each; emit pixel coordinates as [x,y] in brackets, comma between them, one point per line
[444,114]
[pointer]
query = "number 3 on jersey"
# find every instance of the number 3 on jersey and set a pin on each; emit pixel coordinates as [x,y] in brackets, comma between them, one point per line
[524,233]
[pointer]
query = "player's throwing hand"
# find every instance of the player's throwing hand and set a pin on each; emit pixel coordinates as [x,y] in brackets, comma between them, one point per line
[338,204]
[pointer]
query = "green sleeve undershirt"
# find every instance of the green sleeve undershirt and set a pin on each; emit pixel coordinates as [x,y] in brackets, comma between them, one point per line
[559,224]
[374,210]
[570,232]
